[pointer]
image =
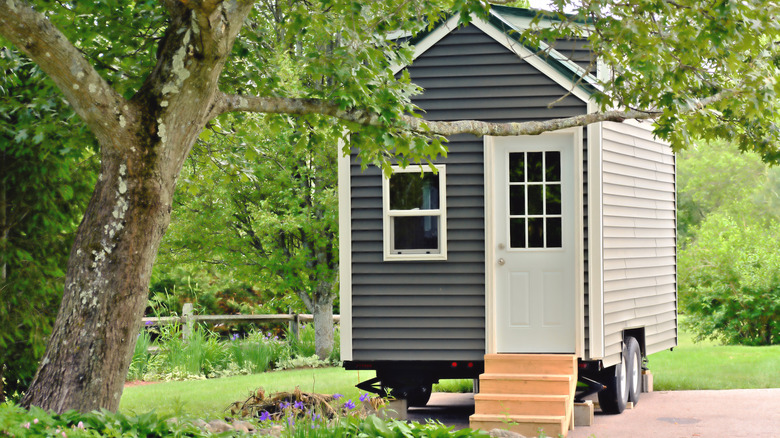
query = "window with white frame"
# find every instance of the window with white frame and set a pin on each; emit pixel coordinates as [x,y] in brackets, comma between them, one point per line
[415,214]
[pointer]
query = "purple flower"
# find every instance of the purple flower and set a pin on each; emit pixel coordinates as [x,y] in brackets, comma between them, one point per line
[337,396]
[364,397]
[291,421]
[298,405]
[265,416]
[148,323]
[234,337]
[349,405]
[284,405]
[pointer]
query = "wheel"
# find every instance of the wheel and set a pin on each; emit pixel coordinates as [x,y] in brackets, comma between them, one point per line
[415,395]
[634,368]
[613,398]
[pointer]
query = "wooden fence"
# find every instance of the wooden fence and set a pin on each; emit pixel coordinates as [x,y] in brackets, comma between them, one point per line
[188,319]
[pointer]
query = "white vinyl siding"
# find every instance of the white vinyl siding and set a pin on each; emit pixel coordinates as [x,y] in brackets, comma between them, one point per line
[639,238]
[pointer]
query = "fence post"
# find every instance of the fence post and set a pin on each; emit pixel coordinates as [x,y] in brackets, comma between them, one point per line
[296,325]
[187,320]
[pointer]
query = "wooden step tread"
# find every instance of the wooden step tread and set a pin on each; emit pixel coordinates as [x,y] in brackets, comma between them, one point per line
[518,418]
[553,377]
[521,356]
[520,397]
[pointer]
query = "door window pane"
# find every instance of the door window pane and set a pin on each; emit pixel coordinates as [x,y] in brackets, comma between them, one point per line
[554,232]
[517,167]
[535,199]
[409,191]
[517,233]
[517,200]
[416,232]
[553,166]
[535,167]
[536,232]
[553,195]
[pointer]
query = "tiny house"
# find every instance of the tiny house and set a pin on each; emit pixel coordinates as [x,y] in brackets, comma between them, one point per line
[528,262]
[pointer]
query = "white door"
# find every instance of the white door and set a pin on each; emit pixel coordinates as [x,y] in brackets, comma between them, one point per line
[534,260]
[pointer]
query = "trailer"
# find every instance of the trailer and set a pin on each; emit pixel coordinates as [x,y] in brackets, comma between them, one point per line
[529,262]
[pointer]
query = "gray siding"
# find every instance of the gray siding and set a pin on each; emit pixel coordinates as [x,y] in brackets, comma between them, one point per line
[639,236]
[434,310]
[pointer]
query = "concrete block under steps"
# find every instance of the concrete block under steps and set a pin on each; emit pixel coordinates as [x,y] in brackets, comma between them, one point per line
[583,413]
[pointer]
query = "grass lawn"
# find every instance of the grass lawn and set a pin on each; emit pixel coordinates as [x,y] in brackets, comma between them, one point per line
[707,365]
[704,365]
[208,398]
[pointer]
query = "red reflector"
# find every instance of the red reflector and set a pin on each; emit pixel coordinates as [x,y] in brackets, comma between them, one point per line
[454,364]
[583,365]
[471,364]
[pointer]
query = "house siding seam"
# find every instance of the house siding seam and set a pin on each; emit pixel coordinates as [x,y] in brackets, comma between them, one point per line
[639,239]
[435,310]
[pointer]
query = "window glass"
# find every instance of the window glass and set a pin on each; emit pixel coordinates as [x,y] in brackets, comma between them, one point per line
[416,232]
[409,191]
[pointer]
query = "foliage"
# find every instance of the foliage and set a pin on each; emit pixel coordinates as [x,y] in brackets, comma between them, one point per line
[259,197]
[712,176]
[46,171]
[657,60]
[18,422]
[730,278]
[727,264]
[454,385]
[204,354]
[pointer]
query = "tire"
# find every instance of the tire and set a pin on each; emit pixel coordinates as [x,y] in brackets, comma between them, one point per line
[418,396]
[614,397]
[415,395]
[634,369]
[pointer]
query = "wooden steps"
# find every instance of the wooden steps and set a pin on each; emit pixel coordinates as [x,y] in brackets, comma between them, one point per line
[526,393]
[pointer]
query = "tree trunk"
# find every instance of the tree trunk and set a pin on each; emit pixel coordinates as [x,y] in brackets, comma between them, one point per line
[106,287]
[323,326]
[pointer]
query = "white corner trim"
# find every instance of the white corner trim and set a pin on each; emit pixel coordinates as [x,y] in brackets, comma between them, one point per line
[345,252]
[531,58]
[490,255]
[596,346]
[579,244]
[431,39]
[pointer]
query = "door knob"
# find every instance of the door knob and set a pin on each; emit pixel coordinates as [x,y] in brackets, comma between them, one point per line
[501,262]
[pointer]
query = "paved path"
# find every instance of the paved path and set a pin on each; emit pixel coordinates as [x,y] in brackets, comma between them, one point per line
[753,413]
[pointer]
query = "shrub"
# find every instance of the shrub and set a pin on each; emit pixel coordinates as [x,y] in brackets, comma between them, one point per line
[730,279]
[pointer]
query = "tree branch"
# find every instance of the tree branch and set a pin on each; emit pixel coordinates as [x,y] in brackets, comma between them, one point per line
[282,105]
[93,99]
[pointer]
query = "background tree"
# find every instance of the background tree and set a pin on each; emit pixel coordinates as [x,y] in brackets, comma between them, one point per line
[47,167]
[266,209]
[728,265]
[147,89]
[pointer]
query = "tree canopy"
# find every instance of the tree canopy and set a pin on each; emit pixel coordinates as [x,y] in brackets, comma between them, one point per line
[147,89]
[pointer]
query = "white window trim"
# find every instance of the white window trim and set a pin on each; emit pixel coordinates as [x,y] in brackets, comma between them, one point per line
[441,170]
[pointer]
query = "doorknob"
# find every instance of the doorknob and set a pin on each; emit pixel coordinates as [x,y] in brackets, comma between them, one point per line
[501,262]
